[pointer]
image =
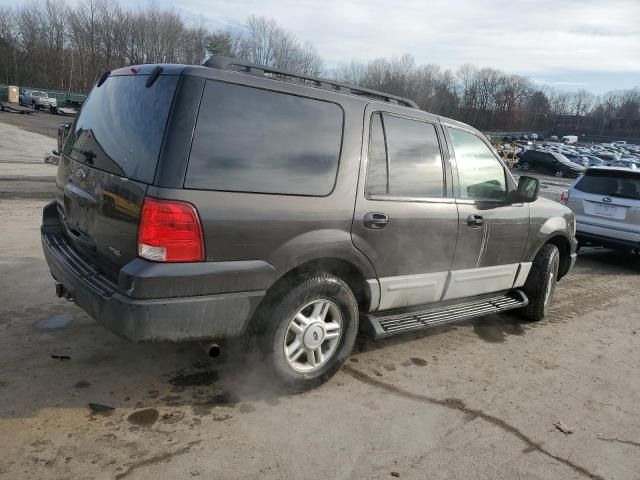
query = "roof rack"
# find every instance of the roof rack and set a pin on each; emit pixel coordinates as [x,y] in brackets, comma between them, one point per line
[225,63]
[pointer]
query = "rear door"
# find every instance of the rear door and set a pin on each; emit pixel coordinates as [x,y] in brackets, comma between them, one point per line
[607,203]
[107,162]
[493,232]
[406,221]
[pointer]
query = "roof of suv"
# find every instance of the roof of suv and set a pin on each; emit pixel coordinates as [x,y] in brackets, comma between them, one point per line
[235,66]
[240,66]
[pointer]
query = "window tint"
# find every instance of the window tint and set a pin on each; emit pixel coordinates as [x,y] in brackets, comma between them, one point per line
[252,140]
[610,184]
[377,169]
[121,125]
[413,154]
[481,175]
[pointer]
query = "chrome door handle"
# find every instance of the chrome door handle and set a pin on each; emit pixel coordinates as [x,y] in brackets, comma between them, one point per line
[375,221]
[475,220]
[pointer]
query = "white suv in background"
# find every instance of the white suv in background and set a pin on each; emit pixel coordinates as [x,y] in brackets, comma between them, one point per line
[606,202]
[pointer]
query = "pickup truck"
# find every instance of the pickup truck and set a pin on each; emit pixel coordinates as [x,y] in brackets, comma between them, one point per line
[37,99]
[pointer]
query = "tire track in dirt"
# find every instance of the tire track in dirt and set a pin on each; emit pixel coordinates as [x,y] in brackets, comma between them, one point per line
[460,406]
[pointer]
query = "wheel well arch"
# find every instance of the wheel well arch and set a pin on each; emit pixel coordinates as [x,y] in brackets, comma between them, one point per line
[343,269]
[564,247]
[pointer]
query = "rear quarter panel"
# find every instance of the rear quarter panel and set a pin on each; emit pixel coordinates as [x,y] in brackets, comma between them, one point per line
[283,230]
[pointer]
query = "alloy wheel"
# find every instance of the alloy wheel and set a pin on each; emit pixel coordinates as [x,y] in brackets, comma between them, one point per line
[313,335]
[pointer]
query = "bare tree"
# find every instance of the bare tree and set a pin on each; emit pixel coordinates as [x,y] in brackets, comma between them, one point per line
[266,43]
[57,45]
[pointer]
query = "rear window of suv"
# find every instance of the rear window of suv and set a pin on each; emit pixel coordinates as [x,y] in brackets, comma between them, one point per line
[121,126]
[253,140]
[610,184]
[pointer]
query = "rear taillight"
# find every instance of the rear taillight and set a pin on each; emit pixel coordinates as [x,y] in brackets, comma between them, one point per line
[564,197]
[170,231]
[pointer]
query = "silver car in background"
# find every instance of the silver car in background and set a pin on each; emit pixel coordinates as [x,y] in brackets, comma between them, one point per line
[606,202]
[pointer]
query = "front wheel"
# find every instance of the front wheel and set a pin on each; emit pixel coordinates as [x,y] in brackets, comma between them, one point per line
[308,334]
[541,283]
[524,166]
[559,174]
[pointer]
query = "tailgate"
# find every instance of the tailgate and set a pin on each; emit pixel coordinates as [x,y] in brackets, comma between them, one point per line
[100,213]
[108,159]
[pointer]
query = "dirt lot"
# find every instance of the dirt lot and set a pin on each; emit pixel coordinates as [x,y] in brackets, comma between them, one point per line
[41,122]
[478,400]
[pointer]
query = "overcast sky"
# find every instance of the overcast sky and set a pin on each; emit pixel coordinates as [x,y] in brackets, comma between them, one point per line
[569,44]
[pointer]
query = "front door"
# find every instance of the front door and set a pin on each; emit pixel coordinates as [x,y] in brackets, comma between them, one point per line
[406,220]
[492,231]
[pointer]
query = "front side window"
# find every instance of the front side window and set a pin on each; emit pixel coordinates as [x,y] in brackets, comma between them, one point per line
[481,175]
[404,158]
[252,140]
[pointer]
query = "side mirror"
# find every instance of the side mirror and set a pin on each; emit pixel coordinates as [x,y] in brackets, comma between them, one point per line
[528,188]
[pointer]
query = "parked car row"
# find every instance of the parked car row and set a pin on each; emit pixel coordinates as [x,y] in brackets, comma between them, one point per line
[571,160]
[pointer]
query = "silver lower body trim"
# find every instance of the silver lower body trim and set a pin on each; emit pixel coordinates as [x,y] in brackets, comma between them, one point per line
[523,273]
[409,290]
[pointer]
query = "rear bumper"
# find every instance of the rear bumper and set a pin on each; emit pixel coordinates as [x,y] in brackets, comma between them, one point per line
[199,317]
[607,242]
[607,236]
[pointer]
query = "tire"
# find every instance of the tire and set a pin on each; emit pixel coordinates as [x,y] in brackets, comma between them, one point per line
[541,283]
[525,167]
[275,333]
[560,174]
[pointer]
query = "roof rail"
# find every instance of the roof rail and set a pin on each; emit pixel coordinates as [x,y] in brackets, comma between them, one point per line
[226,63]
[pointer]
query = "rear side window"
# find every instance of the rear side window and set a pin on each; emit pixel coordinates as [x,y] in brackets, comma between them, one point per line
[481,175]
[404,158]
[252,140]
[610,184]
[121,126]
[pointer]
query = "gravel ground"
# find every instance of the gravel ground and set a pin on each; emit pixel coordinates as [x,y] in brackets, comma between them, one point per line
[22,171]
[41,122]
[476,400]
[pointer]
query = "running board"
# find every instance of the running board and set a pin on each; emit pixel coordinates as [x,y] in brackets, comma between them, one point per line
[396,323]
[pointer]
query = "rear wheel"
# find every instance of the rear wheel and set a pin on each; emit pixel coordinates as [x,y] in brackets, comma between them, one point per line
[559,174]
[307,334]
[541,283]
[524,166]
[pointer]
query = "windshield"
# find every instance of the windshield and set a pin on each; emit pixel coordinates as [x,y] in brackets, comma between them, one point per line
[560,157]
[40,94]
[121,126]
[611,184]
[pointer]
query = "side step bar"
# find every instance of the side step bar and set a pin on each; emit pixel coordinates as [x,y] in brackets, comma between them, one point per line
[398,322]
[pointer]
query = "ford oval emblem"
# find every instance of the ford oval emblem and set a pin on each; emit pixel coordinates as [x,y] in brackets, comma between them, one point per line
[606,200]
[80,174]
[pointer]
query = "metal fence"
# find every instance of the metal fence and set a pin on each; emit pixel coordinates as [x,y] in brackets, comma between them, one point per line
[61,97]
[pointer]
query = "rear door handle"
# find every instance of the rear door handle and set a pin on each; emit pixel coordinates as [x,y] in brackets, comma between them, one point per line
[475,220]
[375,221]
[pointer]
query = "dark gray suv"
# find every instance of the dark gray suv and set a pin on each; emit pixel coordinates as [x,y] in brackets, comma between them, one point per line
[234,200]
